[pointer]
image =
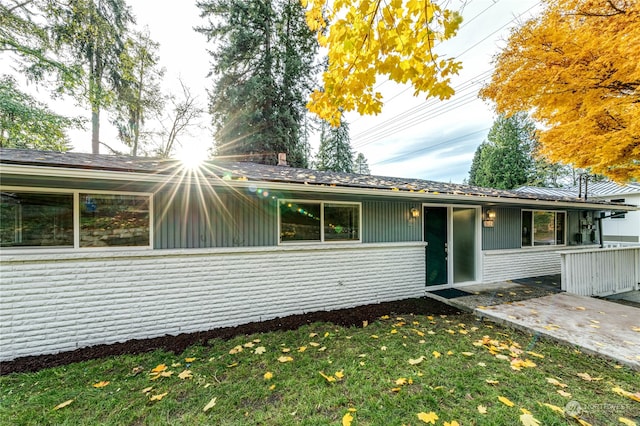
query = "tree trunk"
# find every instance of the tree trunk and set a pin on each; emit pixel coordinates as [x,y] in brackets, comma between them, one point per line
[95,131]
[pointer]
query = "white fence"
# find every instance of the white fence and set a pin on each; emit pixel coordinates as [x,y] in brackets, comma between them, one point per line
[601,272]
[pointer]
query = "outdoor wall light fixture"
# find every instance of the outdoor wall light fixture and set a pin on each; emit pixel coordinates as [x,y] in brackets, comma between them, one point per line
[490,216]
[415,213]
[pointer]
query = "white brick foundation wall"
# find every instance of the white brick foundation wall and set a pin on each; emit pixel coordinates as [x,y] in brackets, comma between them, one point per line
[54,302]
[501,265]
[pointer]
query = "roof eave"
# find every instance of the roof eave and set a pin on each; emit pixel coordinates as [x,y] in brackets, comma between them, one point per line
[164,179]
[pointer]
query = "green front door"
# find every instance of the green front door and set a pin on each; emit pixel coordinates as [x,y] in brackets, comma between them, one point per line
[435,234]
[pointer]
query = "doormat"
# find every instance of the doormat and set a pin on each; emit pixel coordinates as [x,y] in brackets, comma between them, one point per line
[450,293]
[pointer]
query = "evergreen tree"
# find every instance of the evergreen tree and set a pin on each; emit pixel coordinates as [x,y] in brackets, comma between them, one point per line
[92,34]
[505,160]
[509,158]
[335,153]
[360,165]
[263,63]
[139,95]
[26,123]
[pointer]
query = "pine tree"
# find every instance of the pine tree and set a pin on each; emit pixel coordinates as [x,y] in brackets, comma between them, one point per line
[335,153]
[505,160]
[92,34]
[139,95]
[264,64]
[360,165]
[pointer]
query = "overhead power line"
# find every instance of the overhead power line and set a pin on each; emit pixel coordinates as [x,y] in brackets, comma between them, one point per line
[428,148]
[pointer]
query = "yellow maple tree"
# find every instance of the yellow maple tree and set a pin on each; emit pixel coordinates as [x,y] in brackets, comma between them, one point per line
[575,67]
[368,38]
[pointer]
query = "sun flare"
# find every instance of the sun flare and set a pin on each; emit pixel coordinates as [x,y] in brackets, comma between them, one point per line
[192,157]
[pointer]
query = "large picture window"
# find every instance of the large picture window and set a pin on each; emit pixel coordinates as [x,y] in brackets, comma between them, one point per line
[543,228]
[74,219]
[112,220]
[36,219]
[317,221]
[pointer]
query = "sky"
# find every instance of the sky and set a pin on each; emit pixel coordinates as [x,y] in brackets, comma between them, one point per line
[413,137]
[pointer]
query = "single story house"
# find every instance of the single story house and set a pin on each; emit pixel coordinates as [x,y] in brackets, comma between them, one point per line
[101,249]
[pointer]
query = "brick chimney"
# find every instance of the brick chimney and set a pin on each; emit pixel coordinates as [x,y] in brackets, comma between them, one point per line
[282,159]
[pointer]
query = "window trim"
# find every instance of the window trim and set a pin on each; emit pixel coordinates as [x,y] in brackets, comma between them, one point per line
[321,203]
[555,222]
[76,218]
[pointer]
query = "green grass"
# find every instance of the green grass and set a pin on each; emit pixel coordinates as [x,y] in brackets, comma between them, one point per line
[452,385]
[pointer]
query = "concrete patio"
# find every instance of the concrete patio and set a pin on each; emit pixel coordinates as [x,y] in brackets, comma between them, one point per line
[600,327]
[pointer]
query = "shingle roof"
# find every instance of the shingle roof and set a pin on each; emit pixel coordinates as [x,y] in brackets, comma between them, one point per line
[257,172]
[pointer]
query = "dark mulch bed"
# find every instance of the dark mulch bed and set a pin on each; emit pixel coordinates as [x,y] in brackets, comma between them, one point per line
[177,344]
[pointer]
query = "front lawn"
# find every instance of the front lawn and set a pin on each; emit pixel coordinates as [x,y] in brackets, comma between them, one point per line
[407,370]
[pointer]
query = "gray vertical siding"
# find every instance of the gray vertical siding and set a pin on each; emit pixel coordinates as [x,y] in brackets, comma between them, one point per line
[389,221]
[190,219]
[505,233]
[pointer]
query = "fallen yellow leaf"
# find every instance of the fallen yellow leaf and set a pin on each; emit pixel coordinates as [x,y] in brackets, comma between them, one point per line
[100,384]
[235,364]
[248,345]
[416,361]
[436,354]
[347,419]
[286,350]
[272,387]
[452,423]
[147,390]
[339,374]
[159,368]
[622,392]
[260,350]
[505,401]
[626,421]
[492,382]
[185,374]
[158,397]
[365,323]
[329,379]
[235,350]
[430,417]
[529,420]
[285,359]
[210,405]
[189,359]
[564,393]
[302,348]
[268,375]
[554,408]
[555,382]
[482,409]
[588,378]
[63,404]
[401,381]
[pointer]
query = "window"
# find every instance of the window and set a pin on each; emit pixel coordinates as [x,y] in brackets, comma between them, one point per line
[543,228]
[74,219]
[319,221]
[36,219]
[112,220]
